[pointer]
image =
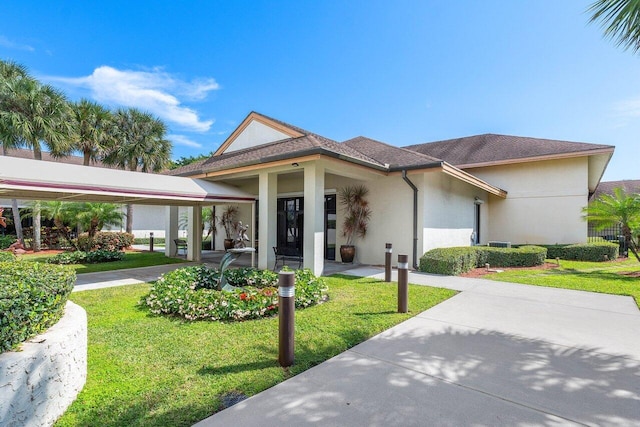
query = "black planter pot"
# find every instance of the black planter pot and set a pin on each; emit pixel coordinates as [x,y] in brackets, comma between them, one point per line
[347,253]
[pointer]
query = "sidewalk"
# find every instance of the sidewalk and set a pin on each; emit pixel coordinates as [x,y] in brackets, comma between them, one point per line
[495,354]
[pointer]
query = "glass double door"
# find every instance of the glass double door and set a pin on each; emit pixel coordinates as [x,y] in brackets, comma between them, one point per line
[290,233]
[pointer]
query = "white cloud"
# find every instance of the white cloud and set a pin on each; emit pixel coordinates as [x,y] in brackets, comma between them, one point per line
[629,108]
[183,140]
[155,91]
[5,42]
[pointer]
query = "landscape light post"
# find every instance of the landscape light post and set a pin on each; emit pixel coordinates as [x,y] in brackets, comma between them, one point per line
[387,262]
[286,317]
[403,280]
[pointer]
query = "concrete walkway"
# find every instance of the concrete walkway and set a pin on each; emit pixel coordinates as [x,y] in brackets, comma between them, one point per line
[495,354]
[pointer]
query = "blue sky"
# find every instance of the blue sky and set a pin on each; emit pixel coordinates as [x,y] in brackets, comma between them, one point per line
[403,72]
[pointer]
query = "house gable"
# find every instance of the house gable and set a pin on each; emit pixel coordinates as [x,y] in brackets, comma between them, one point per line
[256,130]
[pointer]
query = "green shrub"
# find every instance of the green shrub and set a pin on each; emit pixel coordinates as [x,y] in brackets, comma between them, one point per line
[458,260]
[600,251]
[81,257]
[7,257]
[7,240]
[449,261]
[32,298]
[145,240]
[102,255]
[190,293]
[248,276]
[66,258]
[524,256]
[106,240]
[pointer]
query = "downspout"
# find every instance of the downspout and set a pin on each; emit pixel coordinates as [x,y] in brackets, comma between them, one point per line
[415,218]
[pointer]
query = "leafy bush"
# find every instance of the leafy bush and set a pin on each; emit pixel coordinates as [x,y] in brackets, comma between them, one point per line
[248,276]
[7,240]
[454,261]
[81,257]
[65,258]
[600,251]
[107,240]
[524,256]
[7,257]
[190,292]
[101,255]
[32,298]
[450,261]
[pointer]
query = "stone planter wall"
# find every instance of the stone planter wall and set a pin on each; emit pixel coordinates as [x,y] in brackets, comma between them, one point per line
[38,383]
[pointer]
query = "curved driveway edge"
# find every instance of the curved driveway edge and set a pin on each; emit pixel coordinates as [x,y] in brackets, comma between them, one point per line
[495,354]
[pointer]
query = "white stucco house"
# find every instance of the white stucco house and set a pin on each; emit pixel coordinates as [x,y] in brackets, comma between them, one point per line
[457,192]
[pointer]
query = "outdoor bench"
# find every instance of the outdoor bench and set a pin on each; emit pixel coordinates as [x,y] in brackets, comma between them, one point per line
[286,253]
[180,244]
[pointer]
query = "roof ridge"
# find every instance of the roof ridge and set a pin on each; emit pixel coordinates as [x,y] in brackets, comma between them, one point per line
[412,152]
[283,123]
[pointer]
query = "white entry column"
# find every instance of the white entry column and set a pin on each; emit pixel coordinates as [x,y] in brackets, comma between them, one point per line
[267,219]
[314,218]
[170,230]
[194,233]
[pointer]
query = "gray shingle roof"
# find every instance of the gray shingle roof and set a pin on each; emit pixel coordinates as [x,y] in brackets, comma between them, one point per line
[273,151]
[606,187]
[490,148]
[395,157]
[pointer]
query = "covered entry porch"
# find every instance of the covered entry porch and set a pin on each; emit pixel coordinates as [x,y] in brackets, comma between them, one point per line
[27,179]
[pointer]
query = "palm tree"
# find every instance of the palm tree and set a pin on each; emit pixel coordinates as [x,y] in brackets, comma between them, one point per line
[94,216]
[62,213]
[38,114]
[620,20]
[615,209]
[141,145]
[92,123]
[9,72]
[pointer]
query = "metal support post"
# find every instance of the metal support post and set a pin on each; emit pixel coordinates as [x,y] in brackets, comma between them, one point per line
[286,317]
[387,262]
[403,280]
[151,241]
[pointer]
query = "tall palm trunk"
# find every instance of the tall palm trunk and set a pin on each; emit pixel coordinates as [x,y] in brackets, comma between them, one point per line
[626,232]
[17,222]
[37,216]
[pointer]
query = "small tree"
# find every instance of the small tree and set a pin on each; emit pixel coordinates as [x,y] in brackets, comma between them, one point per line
[618,208]
[356,210]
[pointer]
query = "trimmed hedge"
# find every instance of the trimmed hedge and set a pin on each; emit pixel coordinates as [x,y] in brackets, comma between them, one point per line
[81,257]
[458,260]
[106,240]
[32,298]
[598,251]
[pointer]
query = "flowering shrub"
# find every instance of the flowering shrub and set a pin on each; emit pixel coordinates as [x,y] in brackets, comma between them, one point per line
[106,240]
[190,292]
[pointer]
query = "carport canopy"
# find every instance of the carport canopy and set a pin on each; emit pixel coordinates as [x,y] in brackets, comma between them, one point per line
[42,180]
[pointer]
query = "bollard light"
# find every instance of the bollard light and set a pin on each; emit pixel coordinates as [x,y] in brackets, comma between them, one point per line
[403,283]
[387,262]
[286,317]
[151,241]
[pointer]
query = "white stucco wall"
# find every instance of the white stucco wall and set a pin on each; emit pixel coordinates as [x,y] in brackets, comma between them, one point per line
[449,212]
[38,383]
[544,202]
[255,134]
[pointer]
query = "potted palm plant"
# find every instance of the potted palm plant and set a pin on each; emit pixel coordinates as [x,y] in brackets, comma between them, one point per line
[357,214]
[228,221]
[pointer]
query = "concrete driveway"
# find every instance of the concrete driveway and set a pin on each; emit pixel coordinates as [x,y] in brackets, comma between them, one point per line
[495,354]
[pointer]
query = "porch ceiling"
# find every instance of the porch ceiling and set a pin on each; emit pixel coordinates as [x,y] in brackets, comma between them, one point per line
[41,180]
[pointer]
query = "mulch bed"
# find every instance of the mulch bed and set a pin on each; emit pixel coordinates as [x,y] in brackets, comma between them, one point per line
[479,272]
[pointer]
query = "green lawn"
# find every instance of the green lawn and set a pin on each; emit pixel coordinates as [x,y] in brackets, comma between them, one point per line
[602,277]
[131,260]
[148,370]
